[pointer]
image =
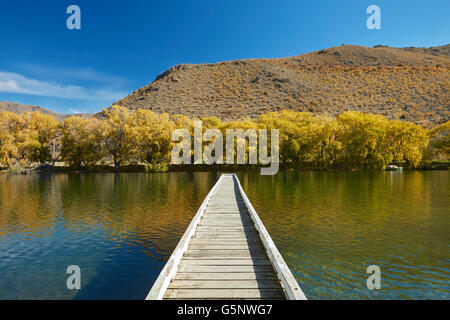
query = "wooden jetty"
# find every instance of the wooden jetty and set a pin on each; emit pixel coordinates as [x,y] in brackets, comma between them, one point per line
[226,253]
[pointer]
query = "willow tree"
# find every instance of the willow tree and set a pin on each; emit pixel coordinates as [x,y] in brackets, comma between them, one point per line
[184,122]
[10,126]
[305,140]
[406,141]
[240,141]
[439,147]
[152,137]
[81,145]
[329,146]
[115,132]
[362,137]
[36,140]
[285,122]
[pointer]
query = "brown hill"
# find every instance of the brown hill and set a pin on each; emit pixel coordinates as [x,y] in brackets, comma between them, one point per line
[401,83]
[22,108]
[434,51]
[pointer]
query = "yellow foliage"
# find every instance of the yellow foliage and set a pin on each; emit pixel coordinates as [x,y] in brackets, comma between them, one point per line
[11,125]
[81,145]
[350,140]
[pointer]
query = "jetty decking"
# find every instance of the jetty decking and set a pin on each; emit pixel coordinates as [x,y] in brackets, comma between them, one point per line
[226,253]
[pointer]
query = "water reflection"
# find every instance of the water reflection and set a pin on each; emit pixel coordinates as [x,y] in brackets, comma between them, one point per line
[331,226]
[121,228]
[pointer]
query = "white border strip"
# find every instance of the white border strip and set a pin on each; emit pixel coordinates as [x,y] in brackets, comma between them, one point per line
[290,285]
[170,269]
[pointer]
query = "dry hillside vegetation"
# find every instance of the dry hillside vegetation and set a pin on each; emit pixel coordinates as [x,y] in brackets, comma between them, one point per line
[407,84]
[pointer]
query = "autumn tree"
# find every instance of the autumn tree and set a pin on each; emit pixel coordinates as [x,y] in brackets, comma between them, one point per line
[151,134]
[362,136]
[10,126]
[351,140]
[81,145]
[37,138]
[115,132]
[284,121]
[305,140]
[439,147]
[405,141]
[245,132]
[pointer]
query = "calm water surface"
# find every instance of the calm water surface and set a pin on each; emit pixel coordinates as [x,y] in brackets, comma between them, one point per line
[121,228]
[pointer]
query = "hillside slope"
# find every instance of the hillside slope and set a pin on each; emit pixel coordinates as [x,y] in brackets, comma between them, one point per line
[22,108]
[410,83]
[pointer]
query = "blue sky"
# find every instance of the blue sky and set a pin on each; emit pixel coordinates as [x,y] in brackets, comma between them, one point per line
[124,45]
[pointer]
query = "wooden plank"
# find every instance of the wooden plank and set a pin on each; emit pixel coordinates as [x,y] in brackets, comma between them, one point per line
[223,212]
[219,242]
[224,237]
[226,215]
[224,223]
[170,268]
[242,233]
[226,276]
[225,220]
[225,269]
[231,224]
[215,240]
[225,256]
[227,206]
[223,217]
[227,246]
[290,284]
[205,228]
[226,202]
[220,284]
[224,294]
[228,254]
[224,226]
[226,262]
[215,251]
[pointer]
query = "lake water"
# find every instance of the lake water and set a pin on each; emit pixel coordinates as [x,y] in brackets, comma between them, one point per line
[329,226]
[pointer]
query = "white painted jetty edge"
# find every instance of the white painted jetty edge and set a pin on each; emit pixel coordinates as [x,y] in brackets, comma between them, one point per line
[170,269]
[290,285]
[288,281]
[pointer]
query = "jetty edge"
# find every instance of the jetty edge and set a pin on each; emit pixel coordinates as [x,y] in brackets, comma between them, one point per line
[226,253]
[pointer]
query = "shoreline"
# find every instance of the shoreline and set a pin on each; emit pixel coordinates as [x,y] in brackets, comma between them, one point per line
[435,165]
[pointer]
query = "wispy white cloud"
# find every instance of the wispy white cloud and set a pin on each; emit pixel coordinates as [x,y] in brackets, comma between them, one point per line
[87,74]
[18,83]
[76,111]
